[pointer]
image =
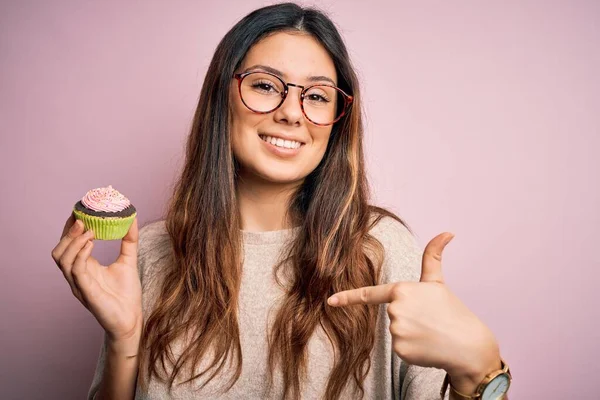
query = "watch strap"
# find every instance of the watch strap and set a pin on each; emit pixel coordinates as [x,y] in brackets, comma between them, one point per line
[458,394]
[479,391]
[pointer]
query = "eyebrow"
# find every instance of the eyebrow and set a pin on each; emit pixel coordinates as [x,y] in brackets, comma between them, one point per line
[281,74]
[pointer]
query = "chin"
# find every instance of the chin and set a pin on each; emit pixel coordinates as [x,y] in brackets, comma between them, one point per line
[280,176]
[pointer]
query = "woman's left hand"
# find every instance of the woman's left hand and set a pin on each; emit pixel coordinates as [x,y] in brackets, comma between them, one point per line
[430,326]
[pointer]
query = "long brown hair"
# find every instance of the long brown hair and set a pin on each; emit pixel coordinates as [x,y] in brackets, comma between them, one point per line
[333,250]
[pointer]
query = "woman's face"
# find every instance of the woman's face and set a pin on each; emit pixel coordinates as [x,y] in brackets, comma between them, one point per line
[297,58]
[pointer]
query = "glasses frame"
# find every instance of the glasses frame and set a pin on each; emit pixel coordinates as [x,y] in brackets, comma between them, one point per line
[347,98]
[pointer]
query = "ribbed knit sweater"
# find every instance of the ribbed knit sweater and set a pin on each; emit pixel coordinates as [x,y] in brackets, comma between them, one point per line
[388,378]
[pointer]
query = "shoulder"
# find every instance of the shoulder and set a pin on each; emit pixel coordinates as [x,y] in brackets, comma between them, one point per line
[402,252]
[151,233]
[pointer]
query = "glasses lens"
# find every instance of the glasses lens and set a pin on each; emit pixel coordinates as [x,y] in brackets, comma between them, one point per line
[261,92]
[323,104]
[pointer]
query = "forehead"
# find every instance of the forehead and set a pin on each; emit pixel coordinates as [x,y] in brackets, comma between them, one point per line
[297,55]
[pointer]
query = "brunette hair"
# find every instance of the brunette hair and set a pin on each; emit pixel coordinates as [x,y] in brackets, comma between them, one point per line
[332,251]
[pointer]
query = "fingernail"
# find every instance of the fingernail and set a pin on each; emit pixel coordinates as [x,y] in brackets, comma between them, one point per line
[75,226]
[333,301]
[90,233]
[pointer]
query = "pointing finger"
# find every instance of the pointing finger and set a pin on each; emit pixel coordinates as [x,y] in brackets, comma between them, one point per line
[366,295]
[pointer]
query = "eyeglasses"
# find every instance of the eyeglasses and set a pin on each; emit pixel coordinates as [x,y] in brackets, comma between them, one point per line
[321,104]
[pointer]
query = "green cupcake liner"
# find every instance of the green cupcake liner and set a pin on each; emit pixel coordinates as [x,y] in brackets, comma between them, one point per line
[106,228]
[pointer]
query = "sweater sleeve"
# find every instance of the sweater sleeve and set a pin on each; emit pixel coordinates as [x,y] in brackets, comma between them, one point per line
[146,244]
[402,262]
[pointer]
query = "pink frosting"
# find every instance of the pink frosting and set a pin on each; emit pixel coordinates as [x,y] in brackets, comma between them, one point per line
[105,199]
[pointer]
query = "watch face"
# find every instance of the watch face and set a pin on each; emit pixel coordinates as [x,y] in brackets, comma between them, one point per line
[496,388]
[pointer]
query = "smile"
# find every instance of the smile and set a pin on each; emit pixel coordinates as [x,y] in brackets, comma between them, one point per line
[284,144]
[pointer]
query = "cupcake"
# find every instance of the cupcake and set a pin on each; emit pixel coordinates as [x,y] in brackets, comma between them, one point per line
[105,211]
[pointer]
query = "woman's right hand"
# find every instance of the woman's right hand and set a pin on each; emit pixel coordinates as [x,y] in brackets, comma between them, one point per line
[112,294]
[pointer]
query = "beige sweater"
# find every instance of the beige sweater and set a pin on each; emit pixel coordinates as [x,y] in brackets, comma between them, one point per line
[388,378]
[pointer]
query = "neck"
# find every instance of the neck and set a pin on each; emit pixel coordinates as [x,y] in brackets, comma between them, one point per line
[263,205]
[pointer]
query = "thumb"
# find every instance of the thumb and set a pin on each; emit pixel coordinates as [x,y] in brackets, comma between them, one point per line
[431,267]
[129,245]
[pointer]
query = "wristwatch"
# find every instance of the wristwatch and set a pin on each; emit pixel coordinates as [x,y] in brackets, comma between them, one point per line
[494,386]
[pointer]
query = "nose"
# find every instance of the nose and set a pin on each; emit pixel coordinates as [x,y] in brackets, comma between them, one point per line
[290,111]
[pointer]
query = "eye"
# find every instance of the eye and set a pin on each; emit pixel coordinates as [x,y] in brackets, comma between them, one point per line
[264,86]
[318,98]
[319,95]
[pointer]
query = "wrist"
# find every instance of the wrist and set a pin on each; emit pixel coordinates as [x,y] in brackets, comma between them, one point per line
[126,346]
[468,382]
[471,373]
[480,357]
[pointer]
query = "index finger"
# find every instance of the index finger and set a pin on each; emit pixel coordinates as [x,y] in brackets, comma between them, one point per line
[366,295]
[68,234]
[68,225]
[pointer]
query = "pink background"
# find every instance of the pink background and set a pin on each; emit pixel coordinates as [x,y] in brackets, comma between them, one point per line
[482,120]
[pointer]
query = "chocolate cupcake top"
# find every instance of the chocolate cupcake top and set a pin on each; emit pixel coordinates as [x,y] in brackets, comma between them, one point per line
[105,200]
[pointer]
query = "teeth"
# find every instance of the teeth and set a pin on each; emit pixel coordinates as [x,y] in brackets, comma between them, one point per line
[286,144]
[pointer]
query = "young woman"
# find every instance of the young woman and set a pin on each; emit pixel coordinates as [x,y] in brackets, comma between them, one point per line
[272,276]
